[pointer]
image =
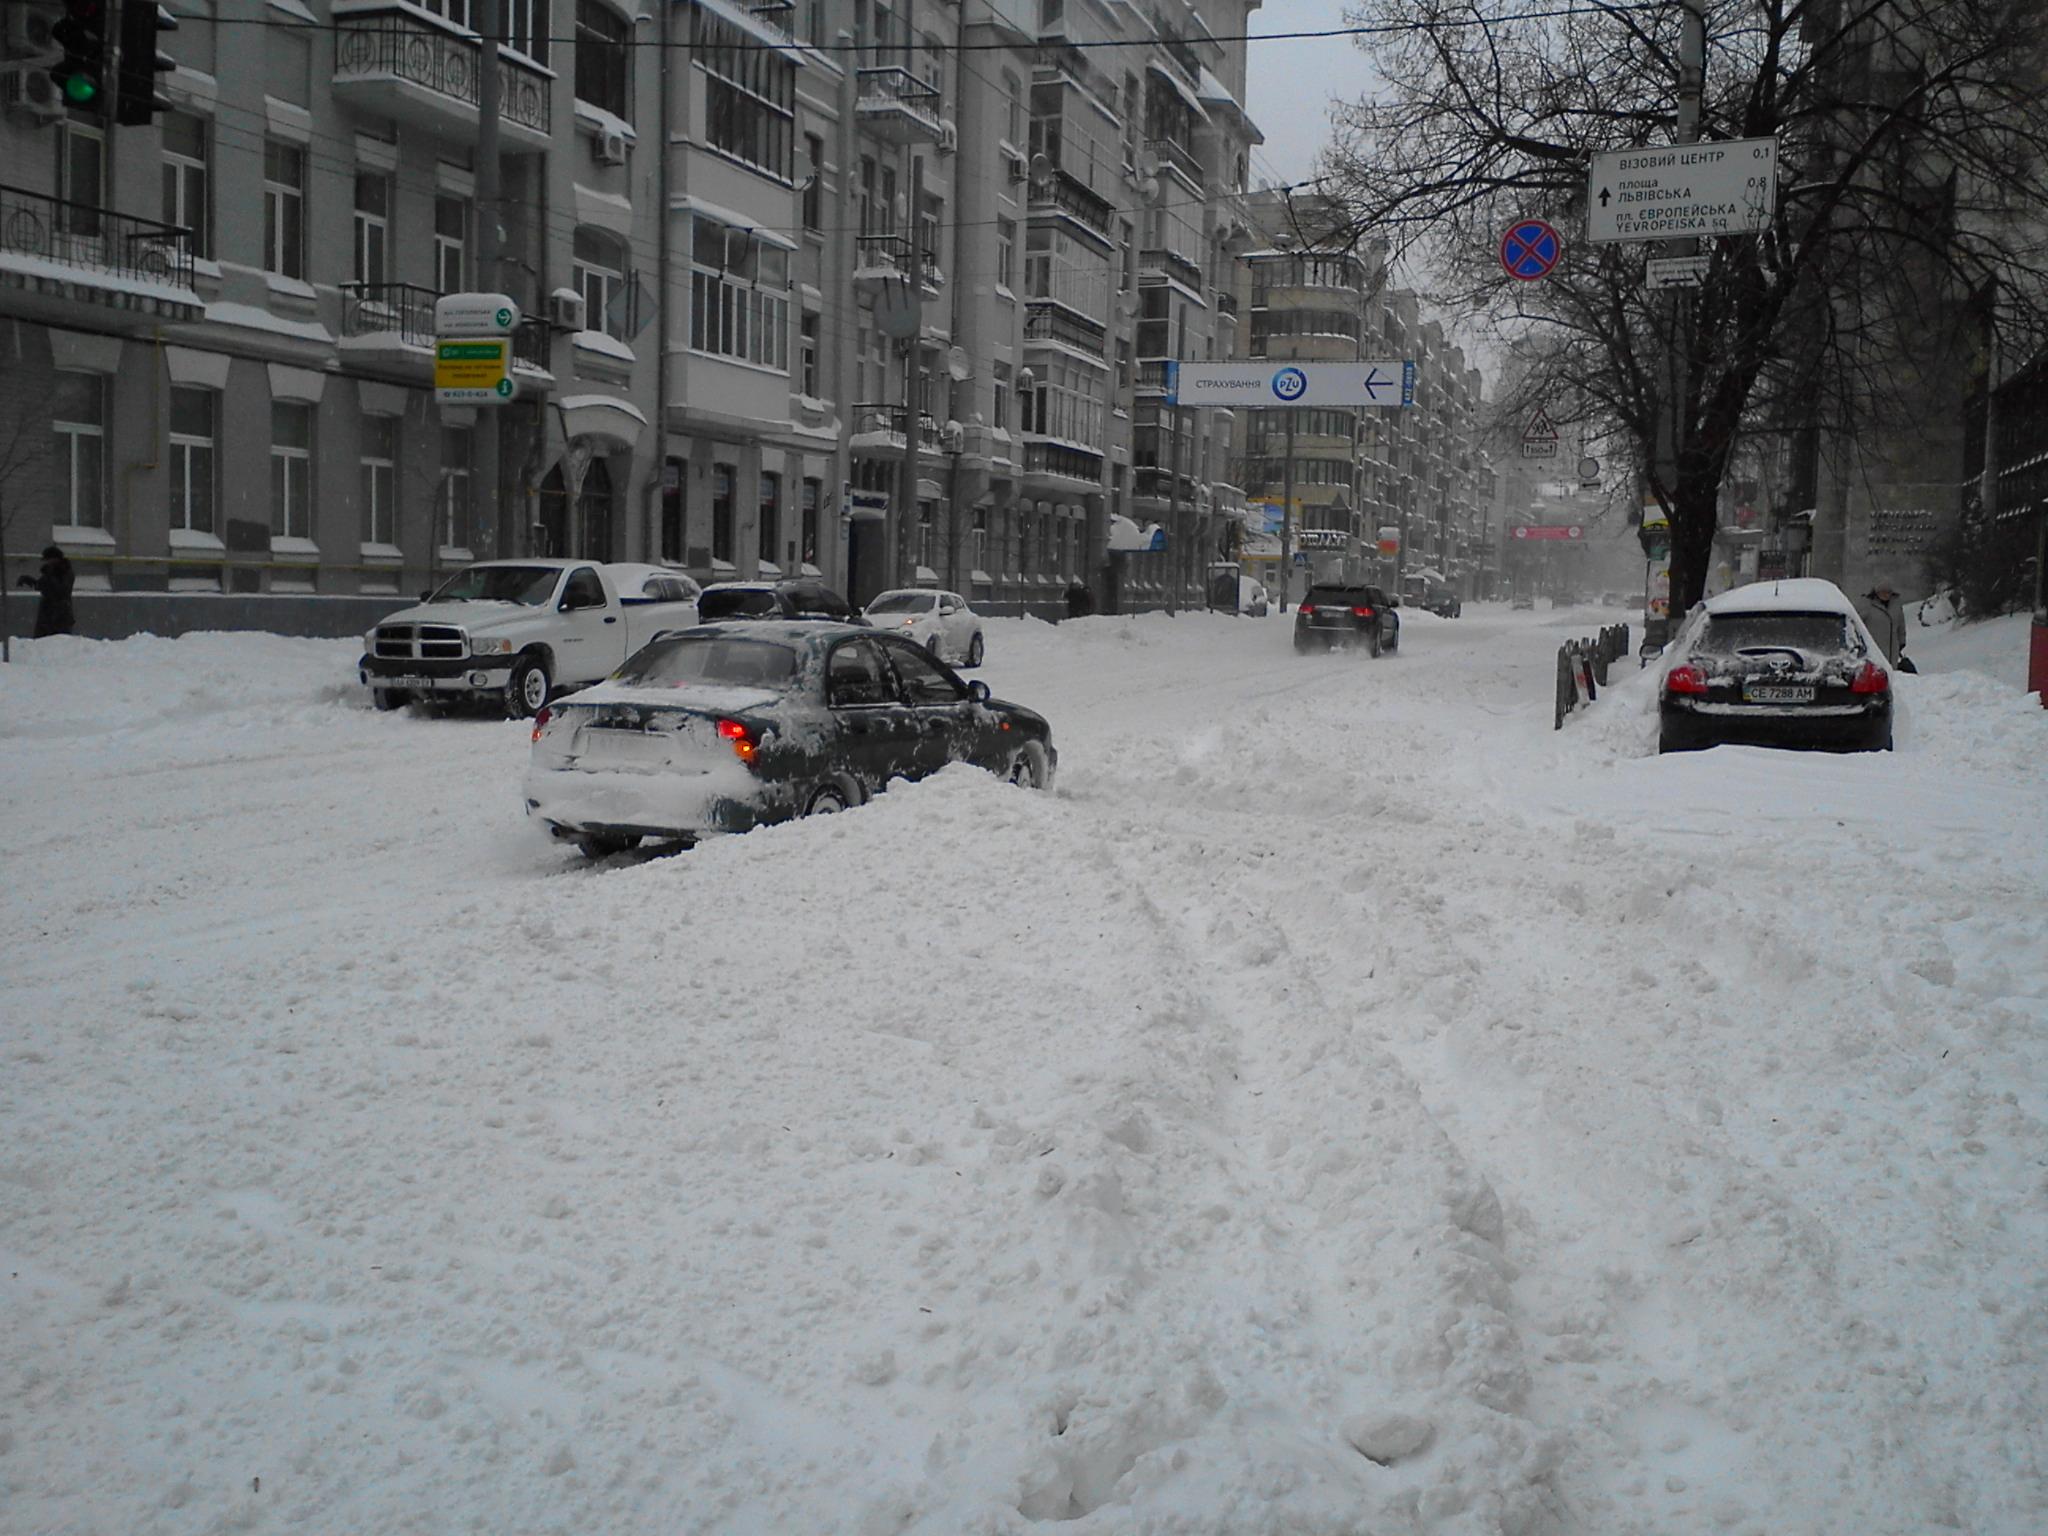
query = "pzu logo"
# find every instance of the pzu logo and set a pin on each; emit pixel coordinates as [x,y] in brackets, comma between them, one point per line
[1290,383]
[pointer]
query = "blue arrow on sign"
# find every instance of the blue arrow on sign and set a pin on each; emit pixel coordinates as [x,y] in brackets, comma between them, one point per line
[1373,384]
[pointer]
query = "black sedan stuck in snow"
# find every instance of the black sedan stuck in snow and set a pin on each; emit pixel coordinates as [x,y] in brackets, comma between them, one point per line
[1330,616]
[727,727]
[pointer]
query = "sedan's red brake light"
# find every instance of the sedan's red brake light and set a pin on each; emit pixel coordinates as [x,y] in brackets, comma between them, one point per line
[541,717]
[1306,608]
[741,738]
[1688,680]
[1363,613]
[1871,678]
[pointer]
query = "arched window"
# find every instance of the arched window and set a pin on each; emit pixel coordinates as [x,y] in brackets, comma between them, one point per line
[594,512]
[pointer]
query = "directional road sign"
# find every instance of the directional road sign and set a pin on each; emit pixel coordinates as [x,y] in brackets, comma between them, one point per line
[473,370]
[1529,250]
[1389,382]
[475,314]
[1676,271]
[1538,531]
[1682,191]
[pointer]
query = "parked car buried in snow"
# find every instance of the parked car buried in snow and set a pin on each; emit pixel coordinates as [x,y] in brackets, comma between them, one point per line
[1778,664]
[514,631]
[727,727]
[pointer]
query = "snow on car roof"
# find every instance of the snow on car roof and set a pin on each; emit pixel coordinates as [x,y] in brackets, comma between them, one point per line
[1802,594]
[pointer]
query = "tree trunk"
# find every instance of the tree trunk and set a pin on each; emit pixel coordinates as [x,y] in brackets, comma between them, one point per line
[1693,521]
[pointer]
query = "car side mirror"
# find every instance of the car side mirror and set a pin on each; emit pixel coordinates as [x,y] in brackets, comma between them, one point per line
[978,691]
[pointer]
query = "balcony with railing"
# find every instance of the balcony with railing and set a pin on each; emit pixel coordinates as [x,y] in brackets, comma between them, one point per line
[896,105]
[878,427]
[1059,193]
[1151,483]
[392,325]
[1184,270]
[1226,303]
[1152,375]
[79,251]
[1062,460]
[411,65]
[1048,320]
[1178,157]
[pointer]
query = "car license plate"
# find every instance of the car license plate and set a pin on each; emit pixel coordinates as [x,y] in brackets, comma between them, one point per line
[410,682]
[603,748]
[1778,693]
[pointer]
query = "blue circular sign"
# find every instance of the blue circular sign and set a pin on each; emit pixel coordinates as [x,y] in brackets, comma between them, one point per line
[1529,250]
[1290,384]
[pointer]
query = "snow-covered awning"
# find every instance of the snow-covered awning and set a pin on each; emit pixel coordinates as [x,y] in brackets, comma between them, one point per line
[1180,87]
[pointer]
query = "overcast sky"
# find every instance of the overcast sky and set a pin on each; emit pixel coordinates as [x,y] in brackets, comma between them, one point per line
[1291,84]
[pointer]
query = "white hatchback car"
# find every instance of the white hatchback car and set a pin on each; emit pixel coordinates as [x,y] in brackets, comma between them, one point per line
[941,622]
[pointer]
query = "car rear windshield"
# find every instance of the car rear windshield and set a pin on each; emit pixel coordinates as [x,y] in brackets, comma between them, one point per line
[1335,595]
[528,584]
[1809,634]
[681,659]
[737,603]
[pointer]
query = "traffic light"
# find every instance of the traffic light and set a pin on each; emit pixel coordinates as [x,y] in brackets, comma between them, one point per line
[81,75]
[141,23]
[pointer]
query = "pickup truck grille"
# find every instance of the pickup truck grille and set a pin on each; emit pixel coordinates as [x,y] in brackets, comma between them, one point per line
[420,642]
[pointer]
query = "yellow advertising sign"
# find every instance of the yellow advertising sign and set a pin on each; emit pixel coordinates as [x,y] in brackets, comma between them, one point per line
[473,371]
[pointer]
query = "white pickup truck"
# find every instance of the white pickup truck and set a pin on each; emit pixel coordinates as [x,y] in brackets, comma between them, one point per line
[517,631]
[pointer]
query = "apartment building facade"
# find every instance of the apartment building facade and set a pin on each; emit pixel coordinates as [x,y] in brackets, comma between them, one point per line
[859,288]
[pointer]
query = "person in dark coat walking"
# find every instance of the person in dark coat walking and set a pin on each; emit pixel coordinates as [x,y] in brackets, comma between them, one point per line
[53,588]
[1080,601]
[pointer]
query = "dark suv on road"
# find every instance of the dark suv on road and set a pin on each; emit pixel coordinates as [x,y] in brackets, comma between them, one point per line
[1330,616]
[795,599]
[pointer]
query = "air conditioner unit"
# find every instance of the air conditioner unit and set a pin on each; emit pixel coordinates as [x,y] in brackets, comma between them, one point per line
[28,30]
[27,91]
[953,437]
[1015,165]
[609,147]
[949,136]
[566,310]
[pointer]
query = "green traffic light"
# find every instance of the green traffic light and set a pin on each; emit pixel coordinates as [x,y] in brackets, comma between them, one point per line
[78,90]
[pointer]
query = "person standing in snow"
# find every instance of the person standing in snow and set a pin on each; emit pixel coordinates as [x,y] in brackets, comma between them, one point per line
[1882,616]
[53,590]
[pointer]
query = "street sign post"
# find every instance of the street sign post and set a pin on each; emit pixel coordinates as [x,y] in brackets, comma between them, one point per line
[473,370]
[1529,250]
[1383,382]
[1682,191]
[1539,437]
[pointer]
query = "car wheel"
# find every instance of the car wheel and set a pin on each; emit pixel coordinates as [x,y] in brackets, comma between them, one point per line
[1027,767]
[826,800]
[974,650]
[1372,642]
[527,688]
[390,698]
[599,845]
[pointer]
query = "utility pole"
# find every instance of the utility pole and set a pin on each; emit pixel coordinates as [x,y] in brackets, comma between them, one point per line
[1175,540]
[913,376]
[489,493]
[1692,73]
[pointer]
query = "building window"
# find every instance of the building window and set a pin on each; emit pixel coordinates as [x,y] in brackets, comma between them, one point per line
[594,511]
[674,476]
[455,461]
[814,189]
[1066,403]
[770,529]
[604,55]
[291,470]
[1013,109]
[749,96]
[722,476]
[380,480]
[192,460]
[526,28]
[79,415]
[739,296]
[373,228]
[186,203]
[600,276]
[807,357]
[81,178]
[814,493]
[284,209]
[977,541]
[451,244]
[1006,253]
[1000,373]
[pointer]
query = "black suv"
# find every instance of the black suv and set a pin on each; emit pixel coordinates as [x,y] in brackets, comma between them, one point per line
[1330,616]
[794,599]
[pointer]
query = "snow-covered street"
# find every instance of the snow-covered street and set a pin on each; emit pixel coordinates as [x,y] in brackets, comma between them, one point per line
[1342,1105]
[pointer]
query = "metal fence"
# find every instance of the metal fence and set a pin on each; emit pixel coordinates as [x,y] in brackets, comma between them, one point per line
[1582,668]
